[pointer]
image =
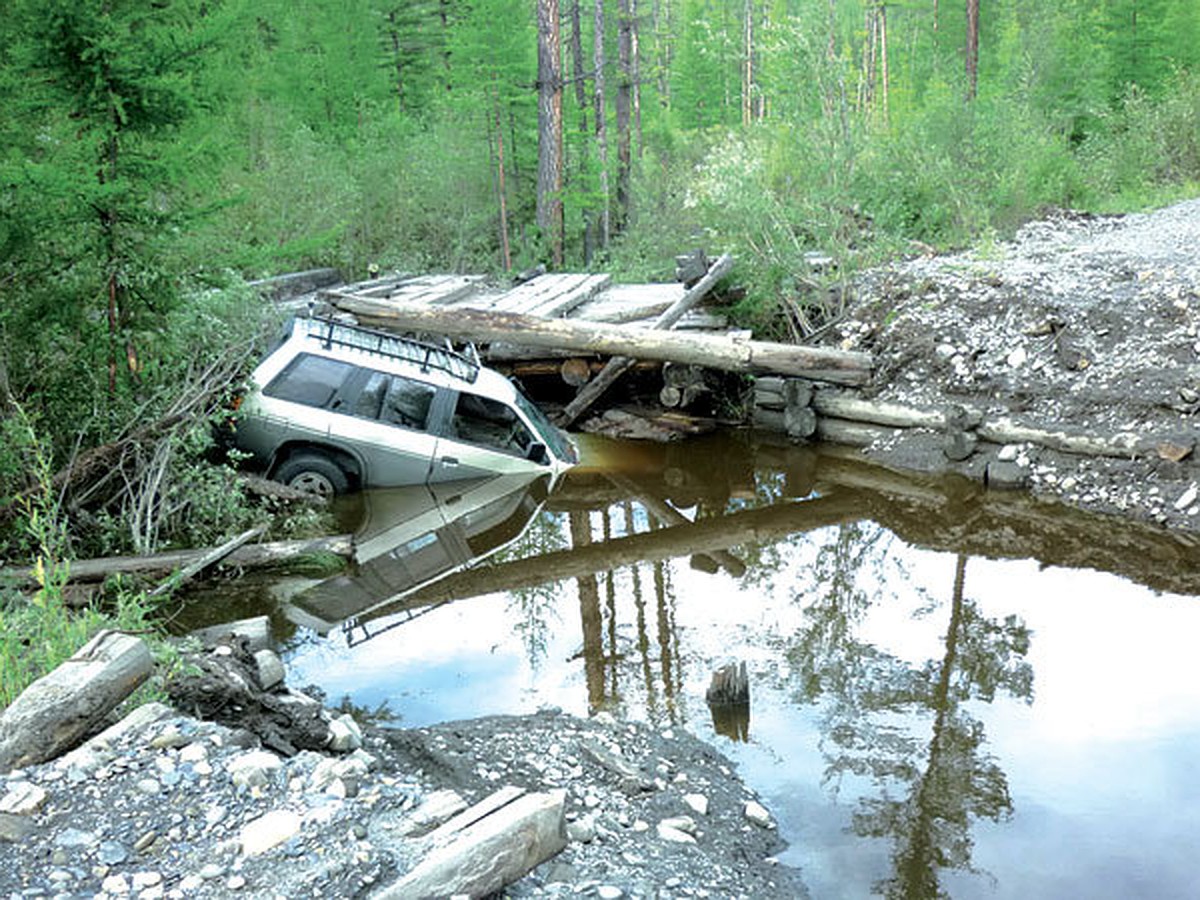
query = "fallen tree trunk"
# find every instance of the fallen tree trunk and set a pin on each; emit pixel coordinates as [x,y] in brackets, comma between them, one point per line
[487,847]
[250,556]
[59,709]
[711,351]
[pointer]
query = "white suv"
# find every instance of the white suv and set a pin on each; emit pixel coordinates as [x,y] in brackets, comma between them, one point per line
[336,407]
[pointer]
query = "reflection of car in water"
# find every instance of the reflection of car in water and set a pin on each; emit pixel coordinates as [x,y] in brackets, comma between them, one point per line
[336,407]
[412,536]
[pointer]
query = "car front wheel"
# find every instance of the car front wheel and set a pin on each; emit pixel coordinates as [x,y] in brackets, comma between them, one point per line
[313,473]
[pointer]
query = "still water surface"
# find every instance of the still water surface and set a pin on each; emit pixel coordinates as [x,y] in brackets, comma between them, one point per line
[952,692]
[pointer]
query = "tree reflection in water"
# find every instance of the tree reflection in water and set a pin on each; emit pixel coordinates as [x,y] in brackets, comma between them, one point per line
[928,786]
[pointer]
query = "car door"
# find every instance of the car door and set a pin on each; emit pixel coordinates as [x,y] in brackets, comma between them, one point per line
[481,436]
[390,433]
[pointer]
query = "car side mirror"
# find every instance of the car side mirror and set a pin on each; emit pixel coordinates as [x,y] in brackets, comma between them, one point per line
[537,453]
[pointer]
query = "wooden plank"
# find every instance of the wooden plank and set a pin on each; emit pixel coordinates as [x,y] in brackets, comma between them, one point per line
[528,294]
[529,297]
[55,712]
[630,302]
[564,303]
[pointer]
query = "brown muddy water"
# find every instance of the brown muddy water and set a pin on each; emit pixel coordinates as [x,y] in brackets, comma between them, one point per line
[952,692]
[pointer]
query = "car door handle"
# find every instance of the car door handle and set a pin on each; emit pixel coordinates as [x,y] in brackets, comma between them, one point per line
[449,461]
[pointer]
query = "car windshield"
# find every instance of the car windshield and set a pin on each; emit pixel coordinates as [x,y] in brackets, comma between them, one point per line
[554,439]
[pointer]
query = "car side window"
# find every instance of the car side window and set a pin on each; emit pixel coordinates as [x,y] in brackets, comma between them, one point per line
[407,402]
[491,424]
[370,402]
[310,380]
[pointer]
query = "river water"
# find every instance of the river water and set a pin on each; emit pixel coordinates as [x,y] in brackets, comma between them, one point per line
[952,692]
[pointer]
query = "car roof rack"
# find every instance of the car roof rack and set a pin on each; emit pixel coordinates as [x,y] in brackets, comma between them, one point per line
[332,333]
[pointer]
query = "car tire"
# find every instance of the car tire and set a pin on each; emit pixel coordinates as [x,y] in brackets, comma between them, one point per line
[314,473]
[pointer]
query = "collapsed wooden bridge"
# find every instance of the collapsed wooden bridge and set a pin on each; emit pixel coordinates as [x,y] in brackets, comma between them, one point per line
[589,331]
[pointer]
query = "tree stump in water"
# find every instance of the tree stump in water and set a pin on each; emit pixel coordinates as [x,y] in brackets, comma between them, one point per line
[728,699]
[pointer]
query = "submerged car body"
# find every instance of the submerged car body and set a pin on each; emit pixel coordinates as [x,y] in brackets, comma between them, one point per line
[335,407]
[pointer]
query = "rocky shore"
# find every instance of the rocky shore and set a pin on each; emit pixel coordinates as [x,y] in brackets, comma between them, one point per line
[1085,325]
[163,804]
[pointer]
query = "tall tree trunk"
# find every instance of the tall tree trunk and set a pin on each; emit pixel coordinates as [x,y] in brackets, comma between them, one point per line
[581,100]
[501,192]
[394,36]
[972,47]
[883,58]
[549,211]
[624,108]
[747,62]
[601,120]
[637,79]
[661,23]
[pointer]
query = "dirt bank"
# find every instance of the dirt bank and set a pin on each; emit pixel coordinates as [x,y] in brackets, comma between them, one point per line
[1084,323]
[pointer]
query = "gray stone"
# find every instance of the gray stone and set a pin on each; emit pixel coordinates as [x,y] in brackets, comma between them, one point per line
[268,830]
[1187,498]
[609,892]
[1006,475]
[115,885]
[582,830]
[74,837]
[22,799]
[757,814]
[697,802]
[112,853]
[685,824]
[14,829]
[667,833]
[270,669]
[253,768]
[344,734]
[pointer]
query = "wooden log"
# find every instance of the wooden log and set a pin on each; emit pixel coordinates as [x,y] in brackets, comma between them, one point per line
[58,710]
[1120,444]
[799,422]
[622,363]
[959,445]
[711,351]
[484,857]
[795,422]
[852,434]
[206,559]
[250,556]
[254,632]
[780,393]
[575,371]
[839,405]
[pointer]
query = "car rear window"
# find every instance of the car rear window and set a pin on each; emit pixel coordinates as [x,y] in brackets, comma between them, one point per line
[311,380]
